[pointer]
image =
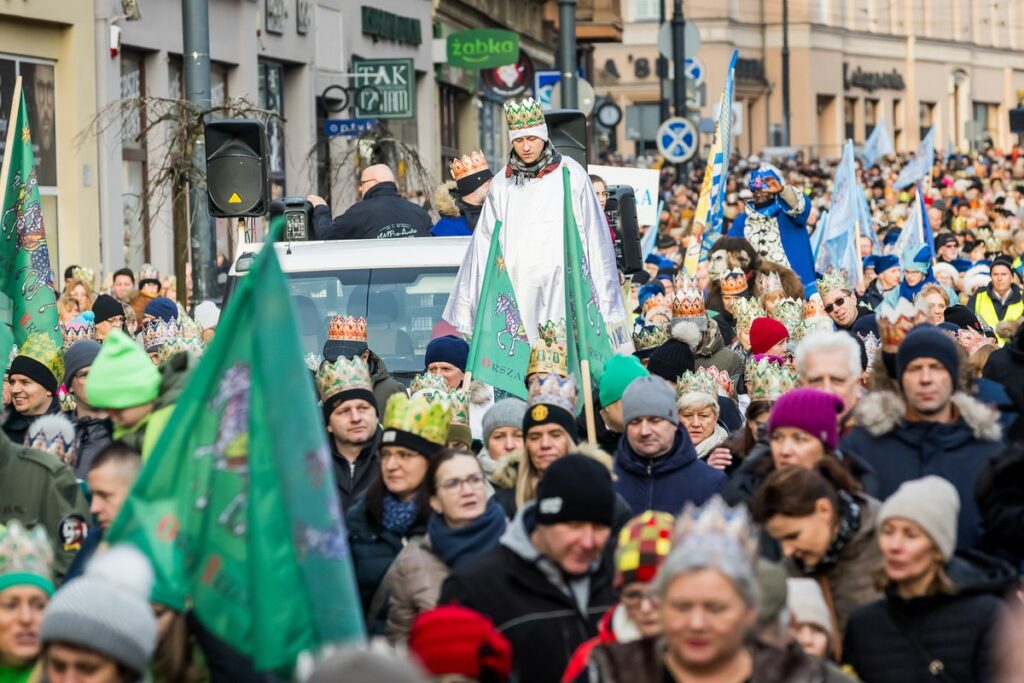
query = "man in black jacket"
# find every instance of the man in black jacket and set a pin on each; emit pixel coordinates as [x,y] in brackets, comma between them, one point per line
[382,213]
[549,580]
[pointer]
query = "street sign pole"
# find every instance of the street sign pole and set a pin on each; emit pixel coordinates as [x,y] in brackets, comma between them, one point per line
[567,52]
[679,65]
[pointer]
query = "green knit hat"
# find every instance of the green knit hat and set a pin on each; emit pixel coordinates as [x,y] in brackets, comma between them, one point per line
[619,371]
[123,375]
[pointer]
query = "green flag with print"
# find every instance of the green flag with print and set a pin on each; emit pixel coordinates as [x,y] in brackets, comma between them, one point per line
[237,506]
[25,274]
[499,350]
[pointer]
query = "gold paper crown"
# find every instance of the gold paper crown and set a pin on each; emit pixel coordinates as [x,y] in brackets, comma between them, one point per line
[418,416]
[25,551]
[894,322]
[86,275]
[193,346]
[745,310]
[347,329]
[459,406]
[769,282]
[721,378]
[834,279]
[342,375]
[688,301]
[468,164]
[647,337]
[790,312]
[552,390]
[720,533]
[733,283]
[972,340]
[549,354]
[695,382]
[156,333]
[658,304]
[39,347]
[431,384]
[525,114]
[767,378]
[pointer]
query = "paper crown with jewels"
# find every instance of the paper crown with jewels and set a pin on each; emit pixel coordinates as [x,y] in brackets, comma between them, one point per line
[313,361]
[716,532]
[790,312]
[347,329]
[972,340]
[527,113]
[77,329]
[721,379]
[458,404]
[688,300]
[769,282]
[86,275]
[54,434]
[647,337]
[657,304]
[25,556]
[552,390]
[813,308]
[193,346]
[733,283]
[894,322]
[549,353]
[834,279]
[425,420]
[871,346]
[768,377]
[468,164]
[156,333]
[344,374]
[745,311]
[695,383]
[40,348]
[429,386]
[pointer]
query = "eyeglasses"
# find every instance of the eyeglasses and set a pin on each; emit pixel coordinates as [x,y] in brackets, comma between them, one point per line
[474,481]
[636,596]
[363,182]
[838,303]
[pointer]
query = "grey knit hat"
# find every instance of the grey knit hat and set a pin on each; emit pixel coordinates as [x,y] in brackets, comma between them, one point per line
[806,603]
[107,609]
[649,396]
[80,355]
[933,504]
[508,412]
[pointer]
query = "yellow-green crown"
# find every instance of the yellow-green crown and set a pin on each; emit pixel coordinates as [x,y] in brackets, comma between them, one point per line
[767,379]
[525,114]
[833,279]
[745,310]
[25,551]
[458,401]
[430,385]
[419,416]
[647,337]
[342,375]
[695,382]
[40,347]
[790,313]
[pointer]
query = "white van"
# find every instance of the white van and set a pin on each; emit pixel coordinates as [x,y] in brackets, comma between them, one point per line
[400,285]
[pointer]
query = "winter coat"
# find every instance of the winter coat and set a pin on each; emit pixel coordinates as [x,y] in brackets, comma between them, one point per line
[354,478]
[16,425]
[415,580]
[668,482]
[1006,366]
[384,385]
[901,451]
[143,435]
[850,583]
[615,627]
[712,351]
[458,219]
[999,494]
[642,661]
[381,214]
[92,435]
[994,395]
[544,615]
[791,210]
[874,295]
[899,640]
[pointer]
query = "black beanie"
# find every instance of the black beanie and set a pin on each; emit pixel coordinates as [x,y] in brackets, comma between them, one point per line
[106,307]
[962,317]
[473,181]
[670,360]
[35,371]
[547,413]
[928,341]
[332,402]
[576,489]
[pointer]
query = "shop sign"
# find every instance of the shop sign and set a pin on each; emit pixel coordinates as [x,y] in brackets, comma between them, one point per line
[510,80]
[483,48]
[386,88]
[380,24]
[872,80]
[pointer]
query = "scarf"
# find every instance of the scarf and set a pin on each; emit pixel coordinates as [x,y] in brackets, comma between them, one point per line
[459,547]
[714,440]
[849,525]
[910,293]
[399,517]
[521,171]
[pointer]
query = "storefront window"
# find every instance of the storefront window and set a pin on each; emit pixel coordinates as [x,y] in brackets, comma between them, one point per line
[870,116]
[271,95]
[449,113]
[849,116]
[926,117]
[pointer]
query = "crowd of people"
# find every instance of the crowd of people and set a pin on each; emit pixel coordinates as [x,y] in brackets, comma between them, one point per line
[793,475]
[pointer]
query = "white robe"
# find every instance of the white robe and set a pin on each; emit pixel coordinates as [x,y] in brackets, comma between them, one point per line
[533,246]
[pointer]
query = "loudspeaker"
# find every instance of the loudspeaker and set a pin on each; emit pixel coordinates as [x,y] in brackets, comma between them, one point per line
[236,167]
[298,218]
[1017,120]
[621,212]
[567,129]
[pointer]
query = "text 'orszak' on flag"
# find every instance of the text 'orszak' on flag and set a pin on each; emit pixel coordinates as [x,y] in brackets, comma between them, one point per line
[25,274]
[500,349]
[237,507]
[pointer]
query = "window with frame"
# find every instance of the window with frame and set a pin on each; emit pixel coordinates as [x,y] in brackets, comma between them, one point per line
[925,117]
[271,98]
[134,170]
[870,116]
[646,10]
[849,116]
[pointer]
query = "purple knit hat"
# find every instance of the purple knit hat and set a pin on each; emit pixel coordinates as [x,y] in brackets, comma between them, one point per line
[811,410]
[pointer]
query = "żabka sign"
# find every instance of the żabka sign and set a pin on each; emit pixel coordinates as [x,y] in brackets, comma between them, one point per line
[483,48]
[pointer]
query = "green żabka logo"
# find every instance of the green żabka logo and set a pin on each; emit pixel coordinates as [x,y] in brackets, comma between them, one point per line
[484,48]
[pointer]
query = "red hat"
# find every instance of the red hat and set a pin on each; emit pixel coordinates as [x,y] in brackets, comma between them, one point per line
[456,640]
[766,333]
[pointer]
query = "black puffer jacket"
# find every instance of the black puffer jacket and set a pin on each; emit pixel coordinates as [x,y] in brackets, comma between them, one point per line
[382,214]
[1006,366]
[932,638]
[999,493]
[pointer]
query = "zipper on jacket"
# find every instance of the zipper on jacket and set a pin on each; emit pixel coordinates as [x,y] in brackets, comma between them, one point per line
[650,488]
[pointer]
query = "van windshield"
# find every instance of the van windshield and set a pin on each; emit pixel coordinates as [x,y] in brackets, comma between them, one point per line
[402,307]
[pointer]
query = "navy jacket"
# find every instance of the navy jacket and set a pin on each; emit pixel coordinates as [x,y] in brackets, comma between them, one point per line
[382,214]
[668,482]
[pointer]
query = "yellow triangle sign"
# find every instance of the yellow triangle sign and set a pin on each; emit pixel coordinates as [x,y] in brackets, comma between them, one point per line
[234,198]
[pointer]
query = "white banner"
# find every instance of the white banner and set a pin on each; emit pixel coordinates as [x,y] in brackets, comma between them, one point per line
[644,182]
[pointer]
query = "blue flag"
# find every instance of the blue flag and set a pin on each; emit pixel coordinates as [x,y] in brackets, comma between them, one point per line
[878,145]
[920,165]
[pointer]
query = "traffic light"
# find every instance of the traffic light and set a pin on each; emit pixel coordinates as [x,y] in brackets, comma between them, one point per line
[567,129]
[236,168]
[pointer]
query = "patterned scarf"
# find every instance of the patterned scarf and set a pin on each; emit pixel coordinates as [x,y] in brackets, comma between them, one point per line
[849,525]
[521,171]
[399,517]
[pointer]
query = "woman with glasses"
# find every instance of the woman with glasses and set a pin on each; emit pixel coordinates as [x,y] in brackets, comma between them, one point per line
[464,525]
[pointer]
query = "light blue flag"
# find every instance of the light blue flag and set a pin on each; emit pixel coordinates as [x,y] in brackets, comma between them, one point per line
[867,223]
[878,145]
[917,231]
[844,215]
[919,166]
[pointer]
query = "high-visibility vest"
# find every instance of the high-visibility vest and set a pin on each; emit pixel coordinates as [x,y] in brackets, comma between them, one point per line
[986,310]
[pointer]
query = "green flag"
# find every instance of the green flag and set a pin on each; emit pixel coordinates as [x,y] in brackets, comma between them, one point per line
[25,274]
[499,350]
[237,506]
[586,334]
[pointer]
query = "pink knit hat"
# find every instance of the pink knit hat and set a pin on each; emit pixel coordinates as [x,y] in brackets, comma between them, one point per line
[811,410]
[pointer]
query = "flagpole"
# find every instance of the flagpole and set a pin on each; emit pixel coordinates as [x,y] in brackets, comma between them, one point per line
[588,402]
[5,169]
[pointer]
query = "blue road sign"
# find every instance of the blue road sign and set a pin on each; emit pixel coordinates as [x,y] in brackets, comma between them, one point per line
[677,139]
[694,71]
[350,127]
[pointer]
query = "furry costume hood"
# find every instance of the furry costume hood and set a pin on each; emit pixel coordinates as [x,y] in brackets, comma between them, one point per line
[444,199]
[881,412]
